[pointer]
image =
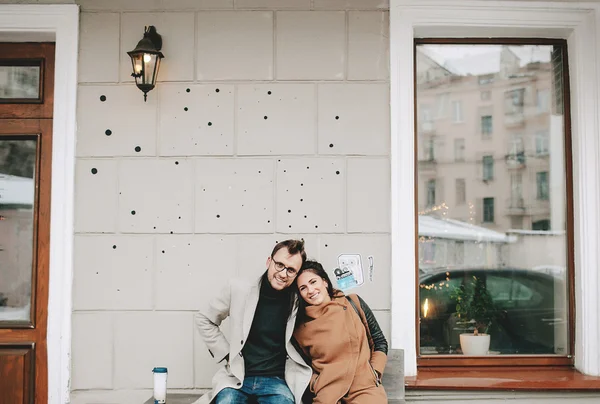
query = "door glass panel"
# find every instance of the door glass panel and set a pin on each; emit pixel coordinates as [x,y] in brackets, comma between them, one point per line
[17,197]
[503,219]
[19,82]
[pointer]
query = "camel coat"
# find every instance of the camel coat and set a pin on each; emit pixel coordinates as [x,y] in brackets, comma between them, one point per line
[343,364]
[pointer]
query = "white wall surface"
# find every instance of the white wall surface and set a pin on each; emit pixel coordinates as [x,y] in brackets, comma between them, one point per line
[270,121]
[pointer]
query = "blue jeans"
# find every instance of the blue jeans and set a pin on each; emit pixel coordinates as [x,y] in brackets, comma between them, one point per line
[257,389]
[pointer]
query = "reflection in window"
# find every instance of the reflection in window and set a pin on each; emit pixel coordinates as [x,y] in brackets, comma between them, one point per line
[17,185]
[542,186]
[430,193]
[541,143]
[486,125]
[488,168]
[457,111]
[459,149]
[501,230]
[461,191]
[488,210]
[19,82]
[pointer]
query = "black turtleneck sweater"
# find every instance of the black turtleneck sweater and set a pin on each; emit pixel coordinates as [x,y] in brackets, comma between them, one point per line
[264,351]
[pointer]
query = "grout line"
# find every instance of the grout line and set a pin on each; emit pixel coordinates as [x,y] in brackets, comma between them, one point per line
[196,25]
[274,37]
[346,44]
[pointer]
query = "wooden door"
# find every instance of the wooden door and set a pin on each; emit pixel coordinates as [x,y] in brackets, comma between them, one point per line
[26,104]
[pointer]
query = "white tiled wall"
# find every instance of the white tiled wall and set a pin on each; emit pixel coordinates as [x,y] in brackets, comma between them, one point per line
[270,121]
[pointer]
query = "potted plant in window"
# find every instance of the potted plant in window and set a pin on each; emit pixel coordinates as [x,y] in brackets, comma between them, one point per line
[475,309]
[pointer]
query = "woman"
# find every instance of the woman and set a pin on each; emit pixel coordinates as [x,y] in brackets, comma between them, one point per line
[346,347]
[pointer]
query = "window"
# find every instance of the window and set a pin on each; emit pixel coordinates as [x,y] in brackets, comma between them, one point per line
[488,210]
[459,149]
[478,238]
[486,125]
[457,111]
[486,79]
[461,191]
[541,225]
[542,146]
[430,193]
[542,186]
[442,103]
[516,190]
[543,101]
[430,149]
[514,101]
[488,168]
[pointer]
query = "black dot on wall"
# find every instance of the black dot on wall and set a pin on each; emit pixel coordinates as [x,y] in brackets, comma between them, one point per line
[210,124]
[308,168]
[138,149]
[330,144]
[185,108]
[316,227]
[187,90]
[290,226]
[305,216]
[265,117]
[163,251]
[179,218]
[268,221]
[102,98]
[337,117]
[154,227]
[218,216]
[268,92]
[325,245]
[337,172]
[133,212]
[171,232]
[301,185]
[108,132]
[289,211]
[301,200]
[94,171]
[177,163]
[114,247]
[217,90]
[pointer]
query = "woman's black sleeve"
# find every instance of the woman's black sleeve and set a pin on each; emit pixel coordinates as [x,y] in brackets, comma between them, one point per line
[379,341]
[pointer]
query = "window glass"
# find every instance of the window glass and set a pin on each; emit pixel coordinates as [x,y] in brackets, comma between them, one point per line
[17,196]
[509,230]
[19,82]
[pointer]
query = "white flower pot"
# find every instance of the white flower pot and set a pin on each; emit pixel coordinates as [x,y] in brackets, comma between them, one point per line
[476,345]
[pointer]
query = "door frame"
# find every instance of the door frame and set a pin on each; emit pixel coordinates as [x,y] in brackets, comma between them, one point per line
[59,23]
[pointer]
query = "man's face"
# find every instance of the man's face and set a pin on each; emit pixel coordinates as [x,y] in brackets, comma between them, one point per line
[282,268]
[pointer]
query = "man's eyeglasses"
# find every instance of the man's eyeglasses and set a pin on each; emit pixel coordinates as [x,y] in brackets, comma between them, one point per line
[279,266]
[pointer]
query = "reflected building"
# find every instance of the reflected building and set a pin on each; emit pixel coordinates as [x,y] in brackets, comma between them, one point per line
[484,127]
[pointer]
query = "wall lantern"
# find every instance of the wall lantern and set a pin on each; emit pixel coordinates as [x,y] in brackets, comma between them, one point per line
[145,59]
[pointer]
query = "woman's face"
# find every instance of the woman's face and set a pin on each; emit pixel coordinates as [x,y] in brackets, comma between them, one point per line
[313,288]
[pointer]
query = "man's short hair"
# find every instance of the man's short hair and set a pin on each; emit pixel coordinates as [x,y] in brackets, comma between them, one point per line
[293,246]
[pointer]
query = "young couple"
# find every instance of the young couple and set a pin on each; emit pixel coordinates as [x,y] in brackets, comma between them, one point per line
[293,338]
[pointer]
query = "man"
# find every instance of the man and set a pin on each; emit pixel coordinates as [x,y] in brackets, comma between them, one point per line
[259,361]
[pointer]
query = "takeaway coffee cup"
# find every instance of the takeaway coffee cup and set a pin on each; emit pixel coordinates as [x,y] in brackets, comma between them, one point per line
[160,385]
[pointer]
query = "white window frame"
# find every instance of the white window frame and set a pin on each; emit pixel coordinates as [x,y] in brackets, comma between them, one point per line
[579,24]
[59,23]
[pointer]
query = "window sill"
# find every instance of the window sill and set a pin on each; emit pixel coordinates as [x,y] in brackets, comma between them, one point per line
[505,378]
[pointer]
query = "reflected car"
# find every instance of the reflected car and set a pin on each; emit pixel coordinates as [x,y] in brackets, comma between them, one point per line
[530,311]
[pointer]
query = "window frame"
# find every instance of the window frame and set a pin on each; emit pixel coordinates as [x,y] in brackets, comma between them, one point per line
[514,360]
[579,24]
